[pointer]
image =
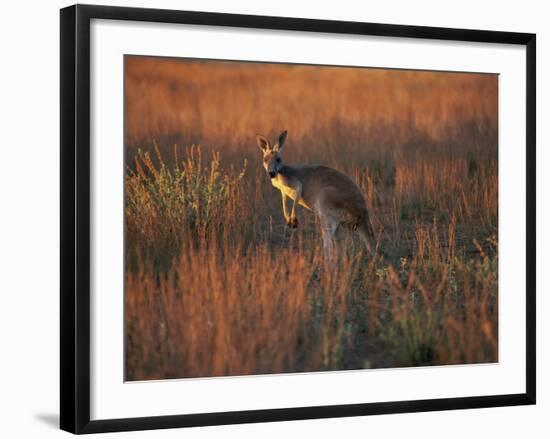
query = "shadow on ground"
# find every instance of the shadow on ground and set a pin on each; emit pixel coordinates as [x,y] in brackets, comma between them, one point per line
[50,419]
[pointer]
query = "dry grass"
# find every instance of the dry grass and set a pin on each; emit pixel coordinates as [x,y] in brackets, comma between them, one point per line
[216,284]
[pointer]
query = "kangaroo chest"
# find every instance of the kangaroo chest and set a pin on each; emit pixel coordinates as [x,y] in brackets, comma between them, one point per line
[283,186]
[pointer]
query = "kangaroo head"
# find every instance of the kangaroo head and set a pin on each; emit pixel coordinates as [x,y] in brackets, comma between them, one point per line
[272,154]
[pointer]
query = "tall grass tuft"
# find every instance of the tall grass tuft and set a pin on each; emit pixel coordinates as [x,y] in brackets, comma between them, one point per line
[166,206]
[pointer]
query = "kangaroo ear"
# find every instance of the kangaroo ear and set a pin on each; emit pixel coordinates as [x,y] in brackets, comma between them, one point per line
[263,143]
[282,140]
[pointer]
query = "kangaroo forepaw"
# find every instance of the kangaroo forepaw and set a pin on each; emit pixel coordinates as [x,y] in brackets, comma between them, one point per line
[292,222]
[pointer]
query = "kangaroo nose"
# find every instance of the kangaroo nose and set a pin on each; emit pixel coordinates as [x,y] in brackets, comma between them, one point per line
[272,174]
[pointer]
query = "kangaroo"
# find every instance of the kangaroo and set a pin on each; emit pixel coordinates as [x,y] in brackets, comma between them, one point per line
[333,197]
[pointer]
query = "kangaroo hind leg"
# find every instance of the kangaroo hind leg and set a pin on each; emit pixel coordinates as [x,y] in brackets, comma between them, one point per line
[329,222]
[328,230]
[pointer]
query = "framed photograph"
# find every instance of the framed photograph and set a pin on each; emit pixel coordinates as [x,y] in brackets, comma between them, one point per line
[268,218]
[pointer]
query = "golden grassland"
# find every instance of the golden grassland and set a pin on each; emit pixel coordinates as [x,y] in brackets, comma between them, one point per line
[215,282]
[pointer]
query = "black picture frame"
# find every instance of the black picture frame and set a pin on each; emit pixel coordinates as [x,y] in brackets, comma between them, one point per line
[75,217]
